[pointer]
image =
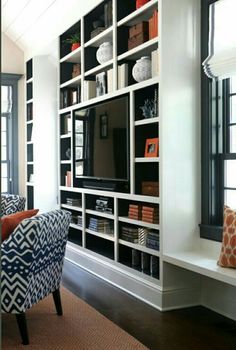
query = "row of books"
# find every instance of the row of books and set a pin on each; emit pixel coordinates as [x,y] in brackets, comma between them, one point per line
[76,219]
[70,96]
[145,262]
[73,202]
[144,213]
[141,235]
[100,225]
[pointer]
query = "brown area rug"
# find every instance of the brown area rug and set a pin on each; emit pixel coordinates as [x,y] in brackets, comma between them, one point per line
[80,327]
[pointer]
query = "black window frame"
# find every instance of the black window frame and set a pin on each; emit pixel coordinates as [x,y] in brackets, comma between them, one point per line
[214,141]
[9,79]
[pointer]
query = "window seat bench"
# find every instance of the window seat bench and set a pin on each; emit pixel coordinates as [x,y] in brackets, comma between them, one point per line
[203,263]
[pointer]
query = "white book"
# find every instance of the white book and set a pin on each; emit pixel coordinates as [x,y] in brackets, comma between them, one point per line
[89,89]
[155,63]
[110,80]
[122,75]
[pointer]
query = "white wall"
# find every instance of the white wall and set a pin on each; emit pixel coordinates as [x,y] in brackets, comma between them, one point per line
[12,60]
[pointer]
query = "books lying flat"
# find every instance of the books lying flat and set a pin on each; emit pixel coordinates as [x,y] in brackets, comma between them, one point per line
[100,225]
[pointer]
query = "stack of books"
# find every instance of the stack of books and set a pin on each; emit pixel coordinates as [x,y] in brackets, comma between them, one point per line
[129,234]
[96,31]
[79,220]
[153,240]
[100,225]
[135,212]
[73,202]
[150,214]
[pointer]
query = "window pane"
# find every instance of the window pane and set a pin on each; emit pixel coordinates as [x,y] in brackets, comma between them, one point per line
[6,99]
[233,109]
[233,139]
[79,139]
[4,153]
[4,138]
[230,173]
[79,125]
[78,153]
[4,123]
[230,198]
[233,84]
[4,185]
[4,169]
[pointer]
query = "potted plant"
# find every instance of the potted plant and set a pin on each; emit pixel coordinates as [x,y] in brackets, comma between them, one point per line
[74,40]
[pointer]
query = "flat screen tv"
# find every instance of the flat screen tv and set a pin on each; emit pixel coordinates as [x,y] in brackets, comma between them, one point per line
[101,145]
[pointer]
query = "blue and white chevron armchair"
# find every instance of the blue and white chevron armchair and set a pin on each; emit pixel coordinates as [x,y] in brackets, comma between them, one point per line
[32,260]
[11,203]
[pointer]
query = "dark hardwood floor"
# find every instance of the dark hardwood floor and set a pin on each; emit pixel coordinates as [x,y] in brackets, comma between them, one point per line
[195,328]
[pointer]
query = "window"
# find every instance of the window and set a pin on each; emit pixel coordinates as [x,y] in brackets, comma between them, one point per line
[218,143]
[9,133]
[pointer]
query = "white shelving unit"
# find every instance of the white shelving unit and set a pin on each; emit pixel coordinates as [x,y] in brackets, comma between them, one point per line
[109,256]
[41,97]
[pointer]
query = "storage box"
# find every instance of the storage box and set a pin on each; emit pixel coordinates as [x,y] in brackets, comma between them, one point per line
[138,29]
[137,40]
[150,188]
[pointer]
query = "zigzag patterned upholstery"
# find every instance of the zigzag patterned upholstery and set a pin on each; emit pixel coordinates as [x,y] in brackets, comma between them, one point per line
[32,260]
[11,203]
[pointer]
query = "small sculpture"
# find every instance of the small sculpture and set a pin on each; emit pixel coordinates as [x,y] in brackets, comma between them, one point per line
[149,109]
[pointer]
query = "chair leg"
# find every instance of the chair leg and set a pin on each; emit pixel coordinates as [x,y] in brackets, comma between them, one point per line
[22,325]
[57,301]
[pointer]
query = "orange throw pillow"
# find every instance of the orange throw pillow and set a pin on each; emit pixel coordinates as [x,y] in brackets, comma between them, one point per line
[10,222]
[228,249]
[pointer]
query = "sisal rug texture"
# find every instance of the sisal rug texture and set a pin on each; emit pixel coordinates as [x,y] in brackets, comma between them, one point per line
[80,328]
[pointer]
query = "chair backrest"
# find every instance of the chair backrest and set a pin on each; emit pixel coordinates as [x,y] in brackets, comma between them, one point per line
[11,203]
[32,260]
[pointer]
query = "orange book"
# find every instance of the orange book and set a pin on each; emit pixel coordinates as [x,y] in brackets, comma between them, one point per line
[149,209]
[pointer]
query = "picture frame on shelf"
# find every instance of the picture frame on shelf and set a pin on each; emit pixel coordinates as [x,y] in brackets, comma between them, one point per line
[152,147]
[101,84]
[103,126]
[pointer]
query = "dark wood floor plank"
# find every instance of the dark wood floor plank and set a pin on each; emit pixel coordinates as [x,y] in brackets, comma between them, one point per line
[195,328]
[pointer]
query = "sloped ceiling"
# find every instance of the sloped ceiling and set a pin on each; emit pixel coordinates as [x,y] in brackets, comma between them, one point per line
[31,23]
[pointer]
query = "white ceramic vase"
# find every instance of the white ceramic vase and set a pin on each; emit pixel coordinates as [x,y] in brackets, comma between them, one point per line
[142,69]
[104,52]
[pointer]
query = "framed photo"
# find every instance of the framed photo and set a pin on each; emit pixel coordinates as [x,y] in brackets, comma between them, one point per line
[103,126]
[101,84]
[152,147]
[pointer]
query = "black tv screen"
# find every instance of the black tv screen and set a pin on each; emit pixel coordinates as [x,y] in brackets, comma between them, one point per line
[101,141]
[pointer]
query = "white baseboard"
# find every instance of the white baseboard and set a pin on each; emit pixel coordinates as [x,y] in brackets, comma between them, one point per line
[155,296]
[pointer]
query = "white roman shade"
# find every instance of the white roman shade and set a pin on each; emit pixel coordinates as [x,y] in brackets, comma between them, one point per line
[221,62]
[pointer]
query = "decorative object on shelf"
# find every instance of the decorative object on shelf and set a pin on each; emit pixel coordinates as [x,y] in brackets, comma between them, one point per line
[150,188]
[104,126]
[140,3]
[138,34]
[96,31]
[142,69]
[101,84]
[98,23]
[68,179]
[149,109]
[104,52]
[108,14]
[76,70]
[142,235]
[68,153]
[151,148]
[102,204]
[74,40]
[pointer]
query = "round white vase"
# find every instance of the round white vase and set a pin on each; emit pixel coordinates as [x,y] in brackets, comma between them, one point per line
[142,69]
[104,52]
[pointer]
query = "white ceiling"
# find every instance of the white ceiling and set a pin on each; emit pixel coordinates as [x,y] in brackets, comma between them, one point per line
[31,23]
